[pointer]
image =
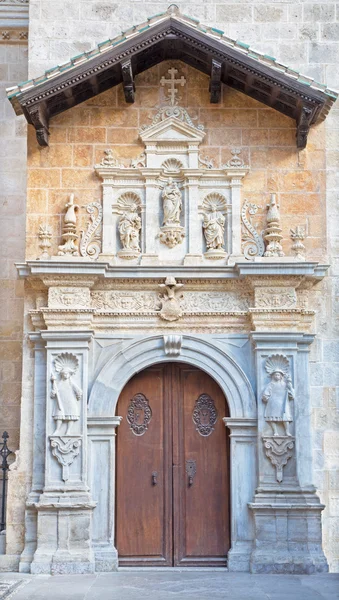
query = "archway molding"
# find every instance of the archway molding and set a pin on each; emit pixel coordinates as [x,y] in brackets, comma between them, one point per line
[201,353]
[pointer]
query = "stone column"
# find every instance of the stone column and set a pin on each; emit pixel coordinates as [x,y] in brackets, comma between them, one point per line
[286,509]
[236,184]
[101,479]
[243,468]
[109,226]
[152,223]
[65,507]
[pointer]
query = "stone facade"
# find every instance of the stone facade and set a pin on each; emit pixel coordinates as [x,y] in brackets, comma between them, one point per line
[305,36]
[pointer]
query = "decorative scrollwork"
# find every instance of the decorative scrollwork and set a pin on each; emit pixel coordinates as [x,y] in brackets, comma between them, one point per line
[252,243]
[90,241]
[205,415]
[139,414]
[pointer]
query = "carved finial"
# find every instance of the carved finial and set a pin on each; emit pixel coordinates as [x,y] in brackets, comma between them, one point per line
[45,236]
[235,161]
[273,230]
[173,9]
[172,97]
[298,235]
[109,160]
[69,234]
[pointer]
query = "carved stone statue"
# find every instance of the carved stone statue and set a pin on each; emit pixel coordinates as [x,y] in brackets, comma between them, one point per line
[214,206]
[170,299]
[278,394]
[172,203]
[129,225]
[65,392]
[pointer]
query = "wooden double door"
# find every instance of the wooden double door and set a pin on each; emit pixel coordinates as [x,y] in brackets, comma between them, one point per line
[172,505]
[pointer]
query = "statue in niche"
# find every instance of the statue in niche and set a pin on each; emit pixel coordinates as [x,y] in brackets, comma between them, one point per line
[66,393]
[278,394]
[129,227]
[214,206]
[172,203]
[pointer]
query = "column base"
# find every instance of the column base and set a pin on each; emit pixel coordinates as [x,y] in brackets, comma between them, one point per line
[287,533]
[238,558]
[106,559]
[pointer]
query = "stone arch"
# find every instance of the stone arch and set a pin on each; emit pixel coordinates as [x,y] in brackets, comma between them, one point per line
[145,352]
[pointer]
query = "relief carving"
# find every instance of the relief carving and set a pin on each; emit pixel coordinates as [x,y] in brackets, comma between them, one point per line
[126,301]
[252,243]
[279,450]
[298,235]
[45,236]
[275,297]
[205,415]
[69,235]
[68,297]
[170,299]
[65,450]
[214,206]
[90,241]
[139,414]
[171,232]
[129,225]
[65,393]
[278,394]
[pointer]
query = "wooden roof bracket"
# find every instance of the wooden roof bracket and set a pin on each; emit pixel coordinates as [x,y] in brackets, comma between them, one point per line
[303,126]
[128,81]
[38,116]
[215,82]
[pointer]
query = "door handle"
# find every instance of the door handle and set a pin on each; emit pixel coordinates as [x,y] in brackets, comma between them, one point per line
[191,469]
[154,478]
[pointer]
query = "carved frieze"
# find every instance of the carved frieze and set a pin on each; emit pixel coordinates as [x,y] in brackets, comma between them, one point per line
[275,297]
[69,297]
[128,301]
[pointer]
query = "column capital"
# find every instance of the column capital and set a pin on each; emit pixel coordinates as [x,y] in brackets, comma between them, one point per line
[74,339]
[240,427]
[273,341]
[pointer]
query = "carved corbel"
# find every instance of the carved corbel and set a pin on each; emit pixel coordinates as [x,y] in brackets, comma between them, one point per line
[303,126]
[279,449]
[215,82]
[38,116]
[128,81]
[65,450]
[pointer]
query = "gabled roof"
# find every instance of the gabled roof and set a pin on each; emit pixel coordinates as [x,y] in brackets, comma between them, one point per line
[172,35]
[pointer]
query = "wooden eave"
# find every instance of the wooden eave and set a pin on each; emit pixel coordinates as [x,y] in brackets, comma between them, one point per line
[177,40]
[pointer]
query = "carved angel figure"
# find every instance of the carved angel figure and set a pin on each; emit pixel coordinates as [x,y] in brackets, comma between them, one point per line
[172,203]
[129,228]
[66,393]
[278,393]
[214,228]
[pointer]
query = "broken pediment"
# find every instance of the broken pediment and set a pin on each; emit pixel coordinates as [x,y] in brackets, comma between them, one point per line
[166,36]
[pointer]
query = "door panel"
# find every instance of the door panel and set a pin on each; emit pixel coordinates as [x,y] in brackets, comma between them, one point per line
[144,502]
[202,529]
[180,516]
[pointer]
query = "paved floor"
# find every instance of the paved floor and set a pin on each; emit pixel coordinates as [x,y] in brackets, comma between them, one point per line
[164,585]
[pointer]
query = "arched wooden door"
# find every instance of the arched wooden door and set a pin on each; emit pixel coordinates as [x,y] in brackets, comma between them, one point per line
[172,504]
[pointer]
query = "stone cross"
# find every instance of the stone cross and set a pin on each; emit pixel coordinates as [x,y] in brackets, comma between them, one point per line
[172,92]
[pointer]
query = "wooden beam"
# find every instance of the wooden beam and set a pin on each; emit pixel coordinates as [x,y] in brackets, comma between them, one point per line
[303,126]
[38,116]
[128,81]
[215,82]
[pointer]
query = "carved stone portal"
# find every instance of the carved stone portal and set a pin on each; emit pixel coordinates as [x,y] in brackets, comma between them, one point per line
[139,414]
[205,415]
[279,449]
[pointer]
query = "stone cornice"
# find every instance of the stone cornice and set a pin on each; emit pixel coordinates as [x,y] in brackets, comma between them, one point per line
[13,21]
[80,269]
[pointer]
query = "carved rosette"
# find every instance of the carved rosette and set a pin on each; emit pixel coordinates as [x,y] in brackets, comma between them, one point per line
[139,414]
[65,450]
[279,449]
[205,415]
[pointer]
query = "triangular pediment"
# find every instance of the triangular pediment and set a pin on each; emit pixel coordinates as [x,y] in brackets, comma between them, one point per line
[172,130]
[166,36]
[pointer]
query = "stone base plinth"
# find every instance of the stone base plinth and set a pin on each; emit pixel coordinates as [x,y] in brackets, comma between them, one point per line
[287,533]
[106,560]
[9,562]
